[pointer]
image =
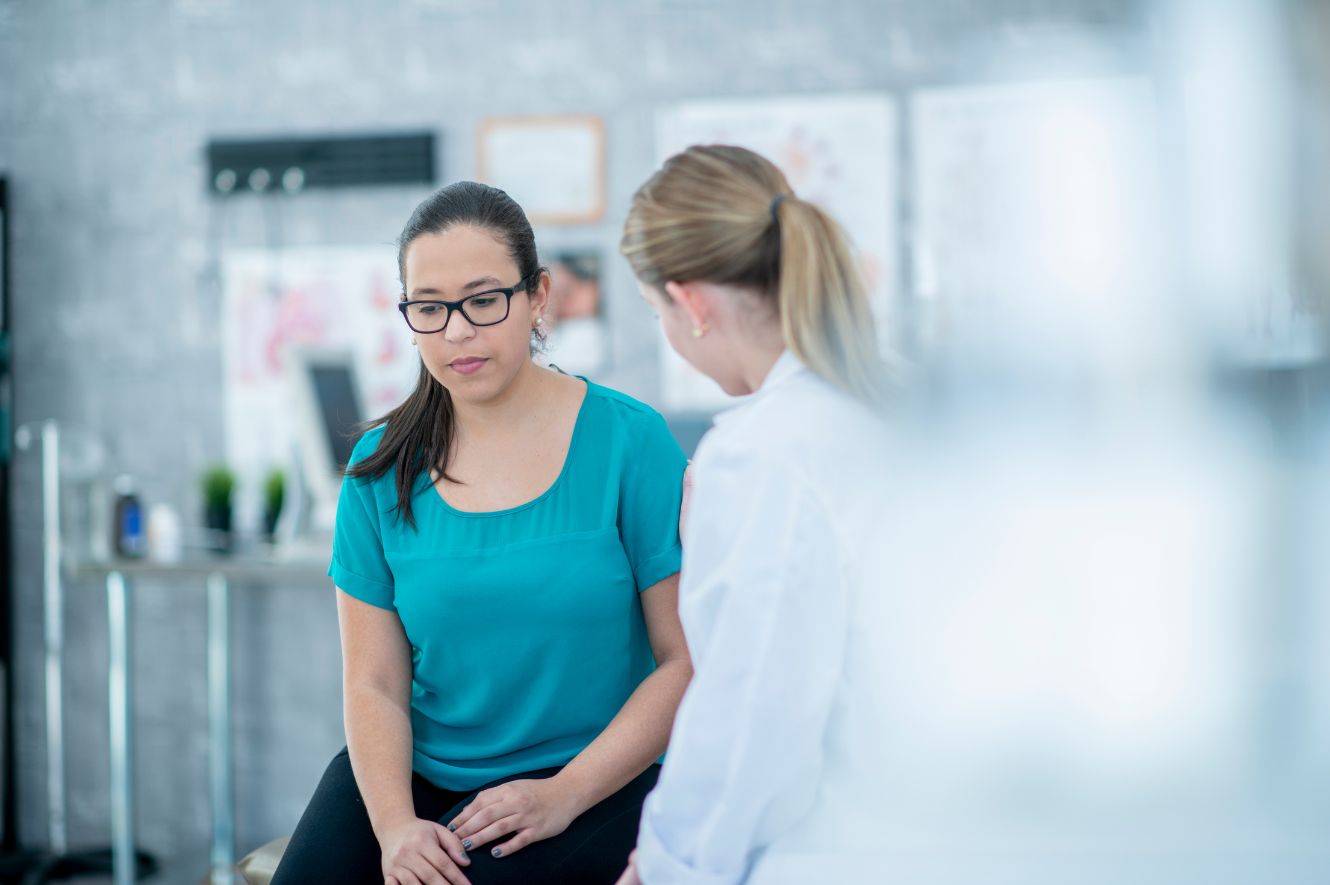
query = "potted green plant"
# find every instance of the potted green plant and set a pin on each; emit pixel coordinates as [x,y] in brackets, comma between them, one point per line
[218,485]
[274,492]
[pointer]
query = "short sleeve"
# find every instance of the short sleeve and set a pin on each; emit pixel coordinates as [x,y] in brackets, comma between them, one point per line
[649,502]
[358,564]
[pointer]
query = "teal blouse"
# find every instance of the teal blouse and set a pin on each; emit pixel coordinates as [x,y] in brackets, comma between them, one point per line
[526,632]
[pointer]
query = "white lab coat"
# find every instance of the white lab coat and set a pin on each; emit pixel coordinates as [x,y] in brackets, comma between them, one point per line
[769,774]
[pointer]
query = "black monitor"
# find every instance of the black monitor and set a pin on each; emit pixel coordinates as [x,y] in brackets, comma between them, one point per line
[338,407]
[327,409]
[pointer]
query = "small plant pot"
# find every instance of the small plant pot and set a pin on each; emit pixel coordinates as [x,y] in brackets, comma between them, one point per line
[270,518]
[218,521]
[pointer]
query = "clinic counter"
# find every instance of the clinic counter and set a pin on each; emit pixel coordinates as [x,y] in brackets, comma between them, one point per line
[214,575]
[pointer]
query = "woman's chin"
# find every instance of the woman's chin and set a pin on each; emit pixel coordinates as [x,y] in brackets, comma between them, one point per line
[478,388]
[732,387]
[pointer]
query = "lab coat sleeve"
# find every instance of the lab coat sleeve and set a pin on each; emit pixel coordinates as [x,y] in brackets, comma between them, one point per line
[763,595]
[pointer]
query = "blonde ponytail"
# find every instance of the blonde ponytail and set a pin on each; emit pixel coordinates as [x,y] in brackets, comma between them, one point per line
[725,214]
[824,312]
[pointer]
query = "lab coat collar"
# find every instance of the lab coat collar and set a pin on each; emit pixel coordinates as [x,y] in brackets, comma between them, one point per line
[787,366]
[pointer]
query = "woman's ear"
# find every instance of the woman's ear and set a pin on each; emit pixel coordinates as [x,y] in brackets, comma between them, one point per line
[539,293]
[692,298]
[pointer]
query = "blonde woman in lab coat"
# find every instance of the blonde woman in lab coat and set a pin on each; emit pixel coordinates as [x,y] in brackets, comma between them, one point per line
[756,288]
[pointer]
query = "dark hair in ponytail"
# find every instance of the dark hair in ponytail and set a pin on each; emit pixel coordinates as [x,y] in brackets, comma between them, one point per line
[421,430]
[726,215]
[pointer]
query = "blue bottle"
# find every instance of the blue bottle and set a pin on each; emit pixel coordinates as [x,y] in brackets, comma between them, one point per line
[130,536]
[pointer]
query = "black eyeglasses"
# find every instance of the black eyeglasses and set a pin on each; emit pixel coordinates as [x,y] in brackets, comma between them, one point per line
[488,308]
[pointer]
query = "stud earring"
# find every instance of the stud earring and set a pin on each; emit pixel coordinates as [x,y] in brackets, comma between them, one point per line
[413,340]
[699,331]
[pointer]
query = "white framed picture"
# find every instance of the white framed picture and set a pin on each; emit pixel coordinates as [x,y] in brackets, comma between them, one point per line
[578,341]
[553,166]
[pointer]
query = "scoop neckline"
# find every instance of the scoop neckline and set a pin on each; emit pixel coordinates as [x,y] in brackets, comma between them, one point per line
[558,480]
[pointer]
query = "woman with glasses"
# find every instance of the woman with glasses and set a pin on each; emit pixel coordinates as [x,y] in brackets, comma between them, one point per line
[757,289]
[506,557]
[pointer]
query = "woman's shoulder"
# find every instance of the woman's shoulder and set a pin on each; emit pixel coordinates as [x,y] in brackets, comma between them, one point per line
[632,429]
[383,476]
[368,443]
[621,408]
[806,431]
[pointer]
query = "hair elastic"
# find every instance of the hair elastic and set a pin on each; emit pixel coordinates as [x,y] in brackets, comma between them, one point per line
[775,204]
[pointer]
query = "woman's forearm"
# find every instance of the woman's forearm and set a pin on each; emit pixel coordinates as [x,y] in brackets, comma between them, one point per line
[378,739]
[635,737]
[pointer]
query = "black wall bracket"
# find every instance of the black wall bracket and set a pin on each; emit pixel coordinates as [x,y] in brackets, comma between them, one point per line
[298,163]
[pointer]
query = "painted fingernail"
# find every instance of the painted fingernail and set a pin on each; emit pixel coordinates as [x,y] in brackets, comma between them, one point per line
[466,843]
[466,857]
[498,852]
[452,828]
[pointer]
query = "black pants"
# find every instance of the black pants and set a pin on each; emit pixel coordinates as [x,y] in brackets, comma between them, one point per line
[334,845]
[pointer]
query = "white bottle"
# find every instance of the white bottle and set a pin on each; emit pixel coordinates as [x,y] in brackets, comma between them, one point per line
[165,541]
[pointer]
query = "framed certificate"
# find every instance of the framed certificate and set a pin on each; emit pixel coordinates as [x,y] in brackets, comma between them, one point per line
[554,166]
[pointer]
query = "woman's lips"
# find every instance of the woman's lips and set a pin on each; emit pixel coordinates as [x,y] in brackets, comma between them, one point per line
[468,365]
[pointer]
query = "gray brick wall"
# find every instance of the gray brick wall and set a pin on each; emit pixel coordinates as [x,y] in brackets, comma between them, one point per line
[104,109]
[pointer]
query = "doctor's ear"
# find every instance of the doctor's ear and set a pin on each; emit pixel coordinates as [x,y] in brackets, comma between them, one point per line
[693,298]
[674,292]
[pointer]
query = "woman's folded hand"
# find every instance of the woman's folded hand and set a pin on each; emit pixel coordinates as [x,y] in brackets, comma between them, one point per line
[421,852]
[530,809]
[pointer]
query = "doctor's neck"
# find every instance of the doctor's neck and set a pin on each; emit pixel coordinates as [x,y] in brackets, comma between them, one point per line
[755,352]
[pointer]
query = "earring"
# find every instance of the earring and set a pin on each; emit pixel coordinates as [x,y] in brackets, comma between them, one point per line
[699,331]
[413,340]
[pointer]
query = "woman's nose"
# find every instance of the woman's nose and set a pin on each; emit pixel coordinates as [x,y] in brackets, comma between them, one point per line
[457,328]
